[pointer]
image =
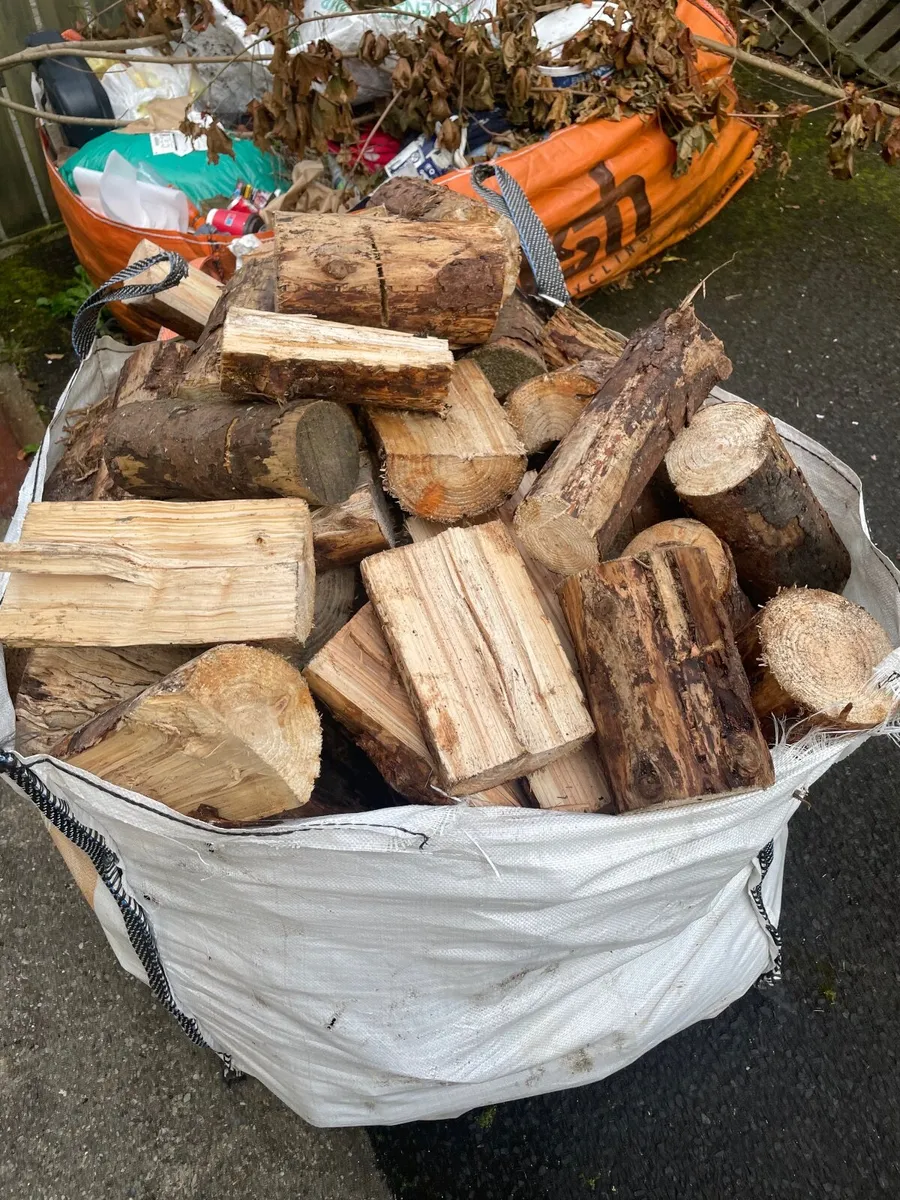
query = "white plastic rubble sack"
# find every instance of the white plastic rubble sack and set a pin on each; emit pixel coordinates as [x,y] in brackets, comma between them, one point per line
[417,962]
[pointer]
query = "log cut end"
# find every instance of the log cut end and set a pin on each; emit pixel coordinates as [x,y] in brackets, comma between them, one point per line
[235,730]
[542,410]
[552,536]
[819,652]
[723,446]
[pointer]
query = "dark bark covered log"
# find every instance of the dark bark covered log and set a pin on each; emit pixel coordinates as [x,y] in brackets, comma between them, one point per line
[684,532]
[181,449]
[664,680]
[445,278]
[732,471]
[153,370]
[586,490]
[811,654]
[571,336]
[512,354]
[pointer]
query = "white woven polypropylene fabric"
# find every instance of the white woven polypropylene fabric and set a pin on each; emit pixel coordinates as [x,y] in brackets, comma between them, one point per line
[417,962]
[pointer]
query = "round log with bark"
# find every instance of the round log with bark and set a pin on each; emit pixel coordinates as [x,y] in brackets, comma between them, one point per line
[664,681]
[732,471]
[811,654]
[544,409]
[512,353]
[181,449]
[571,336]
[445,278]
[682,531]
[589,485]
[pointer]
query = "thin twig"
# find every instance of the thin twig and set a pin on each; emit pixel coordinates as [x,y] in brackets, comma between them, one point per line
[701,286]
[59,119]
[774,68]
[387,108]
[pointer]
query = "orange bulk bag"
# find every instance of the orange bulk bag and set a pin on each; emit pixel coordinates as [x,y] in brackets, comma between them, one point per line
[103,246]
[605,190]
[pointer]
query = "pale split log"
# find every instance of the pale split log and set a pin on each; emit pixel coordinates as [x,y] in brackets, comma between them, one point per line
[733,472]
[356,678]
[346,533]
[290,357]
[575,782]
[682,531]
[664,679]
[233,733]
[142,572]
[448,279]
[544,409]
[62,687]
[171,449]
[494,692]
[461,465]
[586,490]
[184,308]
[811,657]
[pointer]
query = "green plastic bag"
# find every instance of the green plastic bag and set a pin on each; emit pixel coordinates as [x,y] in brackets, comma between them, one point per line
[193,173]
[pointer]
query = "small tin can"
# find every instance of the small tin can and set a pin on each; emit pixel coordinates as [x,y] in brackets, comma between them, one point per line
[234,221]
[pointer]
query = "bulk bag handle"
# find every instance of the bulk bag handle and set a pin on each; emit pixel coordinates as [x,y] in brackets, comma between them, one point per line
[84,327]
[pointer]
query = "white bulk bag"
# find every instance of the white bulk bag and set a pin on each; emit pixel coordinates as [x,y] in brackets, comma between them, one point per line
[416,962]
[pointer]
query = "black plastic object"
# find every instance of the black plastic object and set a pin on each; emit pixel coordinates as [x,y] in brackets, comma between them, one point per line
[72,89]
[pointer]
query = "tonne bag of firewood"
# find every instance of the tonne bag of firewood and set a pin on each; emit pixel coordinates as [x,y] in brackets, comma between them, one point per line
[534,907]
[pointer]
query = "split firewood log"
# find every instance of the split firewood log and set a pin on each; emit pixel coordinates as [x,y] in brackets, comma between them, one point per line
[493,689]
[286,357]
[812,654]
[544,409]
[171,449]
[142,572]
[460,465]
[234,733]
[253,286]
[448,279]
[346,533]
[184,308]
[355,677]
[733,472]
[62,687]
[684,532]
[570,336]
[583,495]
[664,680]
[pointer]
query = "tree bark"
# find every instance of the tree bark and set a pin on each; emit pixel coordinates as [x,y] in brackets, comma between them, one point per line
[191,450]
[494,692]
[733,472]
[356,678]
[461,465]
[234,733]
[298,358]
[570,336]
[664,680]
[684,532]
[512,354]
[346,533]
[810,656]
[444,278]
[544,409]
[586,490]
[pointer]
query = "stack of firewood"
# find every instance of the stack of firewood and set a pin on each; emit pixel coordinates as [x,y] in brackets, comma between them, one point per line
[616,626]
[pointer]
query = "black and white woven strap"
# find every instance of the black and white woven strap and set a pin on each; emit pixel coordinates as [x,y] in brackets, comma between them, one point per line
[512,202]
[84,327]
[106,863]
[773,975]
